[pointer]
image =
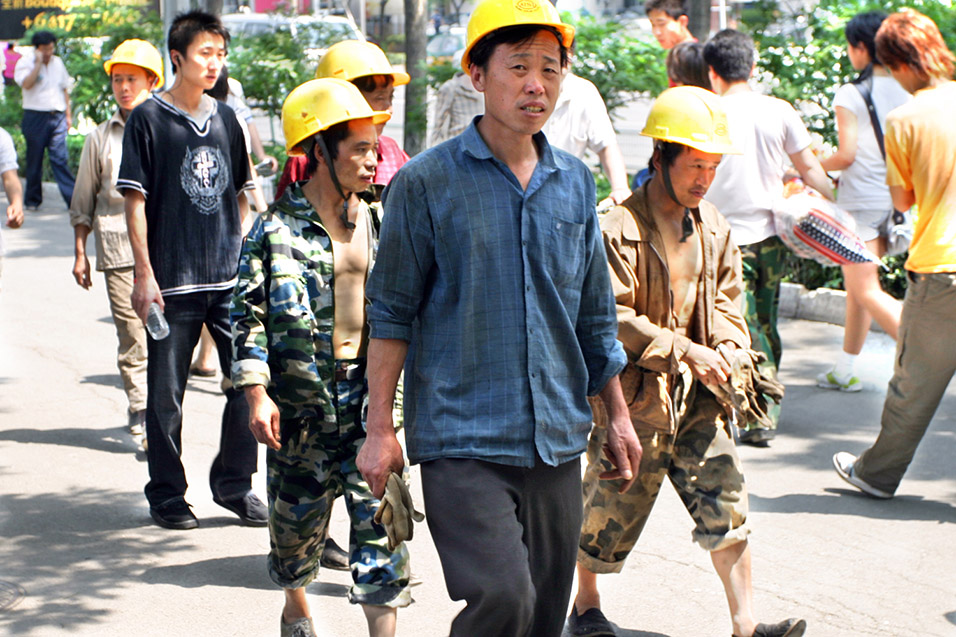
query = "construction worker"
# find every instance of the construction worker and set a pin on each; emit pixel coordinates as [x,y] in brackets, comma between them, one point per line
[134,69]
[676,278]
[365,65]
[299,341]
[491,278]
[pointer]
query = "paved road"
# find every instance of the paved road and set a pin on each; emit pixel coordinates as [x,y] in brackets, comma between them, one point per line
[77,538]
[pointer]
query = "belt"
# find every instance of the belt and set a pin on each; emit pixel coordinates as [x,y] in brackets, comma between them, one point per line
[349,369]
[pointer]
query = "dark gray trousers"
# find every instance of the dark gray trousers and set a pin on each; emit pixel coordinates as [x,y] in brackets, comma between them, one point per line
[507,538]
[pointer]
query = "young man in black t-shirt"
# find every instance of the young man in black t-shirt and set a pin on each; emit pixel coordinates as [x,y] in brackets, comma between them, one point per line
[184,175]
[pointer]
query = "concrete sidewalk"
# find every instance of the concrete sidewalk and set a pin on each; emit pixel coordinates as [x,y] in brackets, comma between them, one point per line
[78,542]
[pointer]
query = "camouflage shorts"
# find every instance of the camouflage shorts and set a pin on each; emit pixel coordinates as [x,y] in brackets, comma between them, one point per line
[315,465]
[701,461]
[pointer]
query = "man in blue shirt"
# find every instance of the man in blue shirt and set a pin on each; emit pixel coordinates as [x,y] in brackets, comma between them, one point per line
[491,287]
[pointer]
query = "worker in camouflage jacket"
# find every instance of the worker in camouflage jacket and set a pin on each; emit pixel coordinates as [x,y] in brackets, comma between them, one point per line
[299,340]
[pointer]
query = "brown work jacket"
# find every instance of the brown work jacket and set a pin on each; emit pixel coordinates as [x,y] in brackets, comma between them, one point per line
[646,323]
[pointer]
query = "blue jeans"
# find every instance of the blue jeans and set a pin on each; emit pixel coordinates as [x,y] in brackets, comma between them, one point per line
[166,374]
[46,130]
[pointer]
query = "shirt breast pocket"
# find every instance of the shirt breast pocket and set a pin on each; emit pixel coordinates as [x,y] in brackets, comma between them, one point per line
[565,254]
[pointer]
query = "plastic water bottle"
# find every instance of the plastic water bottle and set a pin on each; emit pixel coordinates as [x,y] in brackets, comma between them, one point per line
[156,323]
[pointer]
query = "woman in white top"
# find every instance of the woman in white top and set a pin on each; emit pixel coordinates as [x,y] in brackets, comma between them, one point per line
[863,193]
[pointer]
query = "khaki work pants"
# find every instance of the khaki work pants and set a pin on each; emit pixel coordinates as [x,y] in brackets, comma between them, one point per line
[925,363]
[131,352]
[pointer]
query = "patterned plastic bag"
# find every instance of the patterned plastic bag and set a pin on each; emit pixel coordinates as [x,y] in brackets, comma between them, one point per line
[815,228]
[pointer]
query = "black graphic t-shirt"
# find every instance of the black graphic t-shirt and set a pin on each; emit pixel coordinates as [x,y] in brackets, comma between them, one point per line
[190,176]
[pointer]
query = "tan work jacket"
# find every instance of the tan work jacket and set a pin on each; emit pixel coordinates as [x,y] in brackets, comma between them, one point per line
[646,322]
[96,202]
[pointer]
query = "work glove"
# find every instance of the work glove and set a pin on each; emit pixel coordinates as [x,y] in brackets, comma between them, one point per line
[749,391]
[397,512]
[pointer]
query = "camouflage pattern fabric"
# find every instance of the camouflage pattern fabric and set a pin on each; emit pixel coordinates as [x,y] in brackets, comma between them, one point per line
[700,460]
[764,266]
[315,465]
[282,310]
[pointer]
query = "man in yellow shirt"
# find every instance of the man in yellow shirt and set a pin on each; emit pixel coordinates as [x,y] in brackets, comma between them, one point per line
[920,161]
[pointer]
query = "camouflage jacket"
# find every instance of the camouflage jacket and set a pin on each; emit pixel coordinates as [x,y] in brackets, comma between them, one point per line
[283,307]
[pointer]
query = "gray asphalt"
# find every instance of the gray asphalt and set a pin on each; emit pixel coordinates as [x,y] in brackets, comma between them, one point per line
[80,556]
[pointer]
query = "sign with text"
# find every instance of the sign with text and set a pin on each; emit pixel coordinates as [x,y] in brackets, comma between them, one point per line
[17,16]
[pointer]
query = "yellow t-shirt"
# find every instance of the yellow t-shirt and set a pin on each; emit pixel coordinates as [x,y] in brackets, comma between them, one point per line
[921,156]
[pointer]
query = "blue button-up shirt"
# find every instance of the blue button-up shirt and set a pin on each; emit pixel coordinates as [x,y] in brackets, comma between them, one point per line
[504,297]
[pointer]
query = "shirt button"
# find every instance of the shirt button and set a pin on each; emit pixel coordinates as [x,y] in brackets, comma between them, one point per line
[524,243]
[533,375]
[527,288]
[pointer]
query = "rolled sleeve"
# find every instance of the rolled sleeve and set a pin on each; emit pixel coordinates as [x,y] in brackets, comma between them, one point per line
[406,253]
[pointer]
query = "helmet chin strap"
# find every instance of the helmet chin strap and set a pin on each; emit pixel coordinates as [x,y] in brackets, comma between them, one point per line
[335,181]
[687,223]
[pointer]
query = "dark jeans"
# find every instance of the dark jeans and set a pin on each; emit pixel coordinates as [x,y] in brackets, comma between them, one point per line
[166,375]
[507,538]
[46,130]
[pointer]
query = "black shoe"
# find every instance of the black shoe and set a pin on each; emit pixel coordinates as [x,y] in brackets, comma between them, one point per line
[786,628]
[591,623]
[334,556]
[248,507]
[174,514]
[757,437]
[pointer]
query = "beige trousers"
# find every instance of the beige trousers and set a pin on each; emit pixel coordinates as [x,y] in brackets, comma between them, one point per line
[131,353]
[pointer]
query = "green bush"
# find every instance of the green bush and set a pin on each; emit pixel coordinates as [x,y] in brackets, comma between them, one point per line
[805,66]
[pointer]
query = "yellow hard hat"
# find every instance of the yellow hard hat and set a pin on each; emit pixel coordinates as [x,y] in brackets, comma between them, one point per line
[319,104]
[691,116]
[350,59]
[138,53]
[494,14]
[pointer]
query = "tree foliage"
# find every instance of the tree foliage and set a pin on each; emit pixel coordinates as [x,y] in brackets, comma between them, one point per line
[269,65]
[620,64]
[802,56]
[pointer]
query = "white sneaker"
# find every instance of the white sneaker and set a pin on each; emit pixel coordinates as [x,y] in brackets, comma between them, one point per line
[843,463]
[829,380]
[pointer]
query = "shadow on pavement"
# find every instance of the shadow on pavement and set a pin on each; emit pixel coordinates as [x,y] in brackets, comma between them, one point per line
[107,380]
[71,553]
[839,501]
[244,571]
[113,440]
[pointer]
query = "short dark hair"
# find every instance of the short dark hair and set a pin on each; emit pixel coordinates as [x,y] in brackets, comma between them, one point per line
[332,136]
[686,65]
[673,8]
[369,83]
[731,54]
[187,26]
[668,152]
[43,37]
[515,34]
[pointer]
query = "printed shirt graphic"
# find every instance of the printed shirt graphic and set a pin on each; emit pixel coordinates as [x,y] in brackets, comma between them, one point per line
[204,177]
[190,175]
